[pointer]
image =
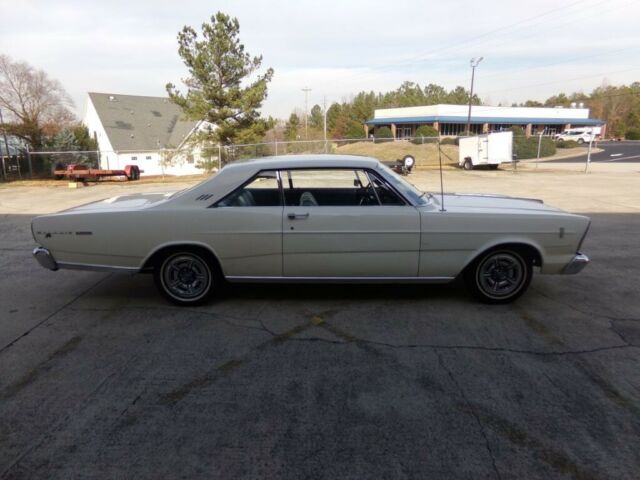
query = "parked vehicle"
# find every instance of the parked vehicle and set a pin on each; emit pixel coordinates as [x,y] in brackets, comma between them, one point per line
[489,150]
[579,135]
[324,218]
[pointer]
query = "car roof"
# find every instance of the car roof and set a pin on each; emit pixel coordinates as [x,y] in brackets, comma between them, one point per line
[234,174]
[302,161]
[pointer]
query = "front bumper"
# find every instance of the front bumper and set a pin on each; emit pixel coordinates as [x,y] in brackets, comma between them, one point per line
[44,258]
[577,263]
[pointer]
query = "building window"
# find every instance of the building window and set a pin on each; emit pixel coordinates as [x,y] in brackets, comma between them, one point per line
[190,158]
[148,157]
[133,159]
[451,129]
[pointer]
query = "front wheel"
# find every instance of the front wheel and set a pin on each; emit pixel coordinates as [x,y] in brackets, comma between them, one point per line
[499,276]
[186,278]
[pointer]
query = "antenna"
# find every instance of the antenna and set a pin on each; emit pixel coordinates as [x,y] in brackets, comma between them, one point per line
[441,182]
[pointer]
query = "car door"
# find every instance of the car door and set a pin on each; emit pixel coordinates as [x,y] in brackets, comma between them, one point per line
[246,228]
[336,225]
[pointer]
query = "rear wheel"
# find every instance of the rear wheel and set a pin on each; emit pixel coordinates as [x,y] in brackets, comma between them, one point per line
[499,275]
[580,141]
[467,165]
[186,277]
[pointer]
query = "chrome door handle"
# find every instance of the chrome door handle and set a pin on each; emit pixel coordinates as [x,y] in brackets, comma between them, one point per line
[297,216]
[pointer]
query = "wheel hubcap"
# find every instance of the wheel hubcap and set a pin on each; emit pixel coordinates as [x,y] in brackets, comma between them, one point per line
[186,276]
[501,275]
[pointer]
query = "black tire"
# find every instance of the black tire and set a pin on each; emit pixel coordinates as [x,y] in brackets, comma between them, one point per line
[499,276]
[493,166]
[187,277]
[580,141]
[468,164]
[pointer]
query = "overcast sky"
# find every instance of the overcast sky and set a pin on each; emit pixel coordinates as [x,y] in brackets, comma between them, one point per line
[531,49]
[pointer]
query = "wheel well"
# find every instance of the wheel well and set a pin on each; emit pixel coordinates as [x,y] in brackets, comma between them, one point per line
[157,256]
[527,251]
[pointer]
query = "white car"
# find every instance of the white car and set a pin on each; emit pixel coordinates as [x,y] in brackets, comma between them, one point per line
[323,218]
[577,135]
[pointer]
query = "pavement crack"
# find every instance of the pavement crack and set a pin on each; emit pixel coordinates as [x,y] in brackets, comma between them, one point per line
[471,410]
[360,341]
[51,315]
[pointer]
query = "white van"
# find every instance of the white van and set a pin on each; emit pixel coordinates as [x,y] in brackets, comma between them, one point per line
[580,135]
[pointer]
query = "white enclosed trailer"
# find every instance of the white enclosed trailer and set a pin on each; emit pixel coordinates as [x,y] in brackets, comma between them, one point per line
[491,149]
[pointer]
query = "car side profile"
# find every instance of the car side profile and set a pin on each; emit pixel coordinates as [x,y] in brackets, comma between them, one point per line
[323,218]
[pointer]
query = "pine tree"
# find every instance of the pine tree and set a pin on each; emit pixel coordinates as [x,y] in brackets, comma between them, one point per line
[218,65]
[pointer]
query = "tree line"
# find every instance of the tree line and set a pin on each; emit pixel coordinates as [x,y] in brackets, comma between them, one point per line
[226,89]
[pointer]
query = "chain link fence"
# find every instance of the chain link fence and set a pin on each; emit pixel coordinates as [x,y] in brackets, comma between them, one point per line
[427,151]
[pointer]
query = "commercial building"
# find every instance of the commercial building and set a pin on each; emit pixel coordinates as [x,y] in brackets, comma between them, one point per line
[138,130]
[451,120]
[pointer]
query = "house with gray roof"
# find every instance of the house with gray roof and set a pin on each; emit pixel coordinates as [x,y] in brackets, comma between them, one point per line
[150,132]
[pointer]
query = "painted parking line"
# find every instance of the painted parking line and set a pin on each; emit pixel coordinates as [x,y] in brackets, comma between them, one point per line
[622,158]
[616,155]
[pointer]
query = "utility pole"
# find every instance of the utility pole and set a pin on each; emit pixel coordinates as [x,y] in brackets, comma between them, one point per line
[474,63]
[324,118]
[6,145]
[306,91]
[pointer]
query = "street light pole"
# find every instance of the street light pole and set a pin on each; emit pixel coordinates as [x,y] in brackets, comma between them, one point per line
[474,63]
[306,91]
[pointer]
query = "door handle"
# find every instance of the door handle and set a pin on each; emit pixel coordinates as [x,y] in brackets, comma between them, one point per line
[297,216]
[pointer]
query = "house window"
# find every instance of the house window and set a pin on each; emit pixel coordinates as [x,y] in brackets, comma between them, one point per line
[133,159]
[148,157]
[190,158]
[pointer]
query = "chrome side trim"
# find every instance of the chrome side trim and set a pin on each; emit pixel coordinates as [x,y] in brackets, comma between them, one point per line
[45,259]
[97,268]
[576,264]
[271,279]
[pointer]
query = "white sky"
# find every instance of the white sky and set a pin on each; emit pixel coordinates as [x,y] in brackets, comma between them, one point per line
[531,50]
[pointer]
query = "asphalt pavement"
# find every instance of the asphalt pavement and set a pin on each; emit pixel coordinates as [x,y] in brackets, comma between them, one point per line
[101,378]
[622,152]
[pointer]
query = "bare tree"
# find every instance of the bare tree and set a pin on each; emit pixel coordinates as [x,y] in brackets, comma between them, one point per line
[35,105]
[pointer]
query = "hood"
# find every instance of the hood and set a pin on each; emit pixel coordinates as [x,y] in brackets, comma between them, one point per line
[500,202]
[122,202]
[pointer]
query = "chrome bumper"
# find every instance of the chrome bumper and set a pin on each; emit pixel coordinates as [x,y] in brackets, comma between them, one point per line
[44,258]
[576,264]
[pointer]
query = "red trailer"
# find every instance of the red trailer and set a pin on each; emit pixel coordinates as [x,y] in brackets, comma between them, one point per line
[81,172]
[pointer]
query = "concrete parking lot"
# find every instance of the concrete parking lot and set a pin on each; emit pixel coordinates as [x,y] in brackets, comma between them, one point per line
[101,378]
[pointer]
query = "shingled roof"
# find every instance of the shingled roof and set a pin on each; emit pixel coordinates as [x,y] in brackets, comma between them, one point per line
[139,123]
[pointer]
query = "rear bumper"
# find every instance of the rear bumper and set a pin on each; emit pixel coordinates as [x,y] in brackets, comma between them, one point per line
[44,258]
[576,264]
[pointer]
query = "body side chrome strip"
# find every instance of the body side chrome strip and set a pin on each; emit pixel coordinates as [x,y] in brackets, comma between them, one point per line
[268,279]
[97,268]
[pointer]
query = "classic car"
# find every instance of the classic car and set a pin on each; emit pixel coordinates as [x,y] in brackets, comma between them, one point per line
[323,218]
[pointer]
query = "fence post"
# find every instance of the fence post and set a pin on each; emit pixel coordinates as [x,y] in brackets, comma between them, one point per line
[219,157]
[276,143]
[539,145]
[29,162]
[586,167]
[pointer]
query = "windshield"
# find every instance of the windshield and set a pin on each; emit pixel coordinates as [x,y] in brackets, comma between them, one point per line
[415,196]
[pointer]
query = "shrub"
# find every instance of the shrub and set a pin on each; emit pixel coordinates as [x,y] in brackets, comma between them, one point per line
[632,134]
[383,134]
[449,141]
[425,131]
[525,147]
[567,144]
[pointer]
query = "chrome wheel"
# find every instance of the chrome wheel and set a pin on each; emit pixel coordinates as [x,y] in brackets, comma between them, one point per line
[501,275]
[186,277]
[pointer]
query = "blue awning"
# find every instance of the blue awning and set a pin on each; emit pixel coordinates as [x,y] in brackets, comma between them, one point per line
[482,120]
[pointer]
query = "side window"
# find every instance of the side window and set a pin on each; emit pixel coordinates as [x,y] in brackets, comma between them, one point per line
[262,191]
[328,187]
[385,194]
